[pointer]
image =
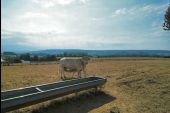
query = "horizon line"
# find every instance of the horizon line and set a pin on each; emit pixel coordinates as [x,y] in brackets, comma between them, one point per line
[87,50]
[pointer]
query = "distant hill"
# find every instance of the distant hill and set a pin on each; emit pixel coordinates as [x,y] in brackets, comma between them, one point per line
[129,53]
[8,53]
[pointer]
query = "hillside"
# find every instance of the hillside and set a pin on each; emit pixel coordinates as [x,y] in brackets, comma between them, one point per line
[107,52]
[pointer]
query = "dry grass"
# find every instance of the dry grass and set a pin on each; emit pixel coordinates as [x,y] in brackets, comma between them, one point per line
[135,85]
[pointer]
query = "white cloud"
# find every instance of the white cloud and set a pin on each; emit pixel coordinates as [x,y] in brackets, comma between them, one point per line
[45,3]
[139,10]
[96,19]
[6,34]
[65,2]
[54,40]
[153,8]
[33,15]
[120,11]
[51,3]
[55,26]
[35,22]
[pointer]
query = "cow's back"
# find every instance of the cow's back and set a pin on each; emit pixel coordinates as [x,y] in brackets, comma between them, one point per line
[71,63]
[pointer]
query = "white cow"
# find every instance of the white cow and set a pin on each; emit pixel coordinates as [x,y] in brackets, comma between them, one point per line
[73,65]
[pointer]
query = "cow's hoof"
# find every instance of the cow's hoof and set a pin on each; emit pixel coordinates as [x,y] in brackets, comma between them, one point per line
[62,78]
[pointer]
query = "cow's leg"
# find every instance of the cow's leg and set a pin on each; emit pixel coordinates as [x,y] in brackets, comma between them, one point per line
[64,77]
[84,72]
[79,74]
[59,72]
[63,74]
[73,74]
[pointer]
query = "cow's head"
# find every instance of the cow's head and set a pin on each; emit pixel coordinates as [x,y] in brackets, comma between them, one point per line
[85,60]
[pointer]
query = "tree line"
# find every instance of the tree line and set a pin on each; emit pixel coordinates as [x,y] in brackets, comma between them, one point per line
[73,54]
[28,57]
[38,58]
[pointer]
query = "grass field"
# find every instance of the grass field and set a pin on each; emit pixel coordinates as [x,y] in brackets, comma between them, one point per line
[135,85]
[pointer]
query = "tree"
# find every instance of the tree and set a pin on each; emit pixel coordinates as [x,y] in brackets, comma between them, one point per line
[17,60]
[166,24]
[35,58]
[9,59]
[25,57]
[75,54]
[50,58]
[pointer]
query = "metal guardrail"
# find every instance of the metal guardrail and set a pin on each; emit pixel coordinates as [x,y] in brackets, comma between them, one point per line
[22,97]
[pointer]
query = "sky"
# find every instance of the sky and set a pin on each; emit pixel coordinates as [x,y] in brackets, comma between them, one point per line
[83,24]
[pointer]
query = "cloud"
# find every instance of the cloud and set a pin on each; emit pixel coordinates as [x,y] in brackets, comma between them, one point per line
[51,3]
[95,19]
[68,24]
[68,42]
[65,2]
[139,10]
[5,33]
[35,22]
[49,40]
[28,15]
[120,11]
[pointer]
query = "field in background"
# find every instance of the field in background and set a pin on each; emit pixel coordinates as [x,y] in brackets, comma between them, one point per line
[135,85]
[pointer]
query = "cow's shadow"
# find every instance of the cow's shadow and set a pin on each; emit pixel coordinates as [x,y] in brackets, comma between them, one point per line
[82,103]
